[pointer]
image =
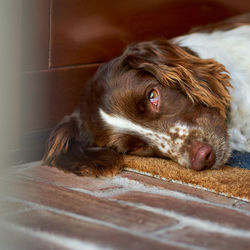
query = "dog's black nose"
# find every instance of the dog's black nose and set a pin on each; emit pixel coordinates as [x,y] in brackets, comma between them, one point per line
[202,156]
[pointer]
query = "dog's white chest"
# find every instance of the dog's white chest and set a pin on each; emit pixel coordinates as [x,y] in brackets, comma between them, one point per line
[232,49]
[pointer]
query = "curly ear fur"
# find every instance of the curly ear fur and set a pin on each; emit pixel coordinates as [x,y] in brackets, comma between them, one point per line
[69,150]
[202,80]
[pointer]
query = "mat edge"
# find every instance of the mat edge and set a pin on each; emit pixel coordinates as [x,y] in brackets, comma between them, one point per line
[186,184]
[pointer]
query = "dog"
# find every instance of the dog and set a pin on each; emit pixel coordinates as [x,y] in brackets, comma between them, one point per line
[185,99]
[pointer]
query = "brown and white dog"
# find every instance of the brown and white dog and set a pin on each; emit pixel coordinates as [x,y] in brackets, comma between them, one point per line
[187,99]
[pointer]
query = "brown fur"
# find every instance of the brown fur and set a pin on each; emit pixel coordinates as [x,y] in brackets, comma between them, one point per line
[66,150]
[203,80]
[227,24]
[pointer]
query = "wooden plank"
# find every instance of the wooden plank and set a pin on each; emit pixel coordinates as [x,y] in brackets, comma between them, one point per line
[198,210]
[79,234]
[15,238]
[208,240]
[185,189]
[8,207]
[86,205]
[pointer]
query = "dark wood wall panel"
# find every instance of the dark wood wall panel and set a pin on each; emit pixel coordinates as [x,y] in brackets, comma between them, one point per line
[49,95]
[35,23]
[96,31]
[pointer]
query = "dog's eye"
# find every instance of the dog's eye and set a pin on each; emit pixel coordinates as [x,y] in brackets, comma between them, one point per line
[154,98]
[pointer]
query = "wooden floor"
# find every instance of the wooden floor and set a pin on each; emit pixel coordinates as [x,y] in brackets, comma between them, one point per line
[44,208]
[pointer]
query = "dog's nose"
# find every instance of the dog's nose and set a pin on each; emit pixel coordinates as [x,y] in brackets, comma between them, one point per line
[202,156]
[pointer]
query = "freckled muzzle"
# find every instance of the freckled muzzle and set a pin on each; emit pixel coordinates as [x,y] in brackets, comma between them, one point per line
[204,149]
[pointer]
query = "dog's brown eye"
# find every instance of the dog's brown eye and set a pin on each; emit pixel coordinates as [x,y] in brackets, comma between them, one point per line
[154,97]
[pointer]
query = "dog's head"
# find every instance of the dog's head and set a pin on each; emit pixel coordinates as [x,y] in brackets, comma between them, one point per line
[158,99]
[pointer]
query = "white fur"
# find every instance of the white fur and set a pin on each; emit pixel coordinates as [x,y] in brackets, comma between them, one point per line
[232,49]
[180,129]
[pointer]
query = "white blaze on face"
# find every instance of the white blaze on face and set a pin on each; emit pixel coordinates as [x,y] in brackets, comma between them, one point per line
[162,141]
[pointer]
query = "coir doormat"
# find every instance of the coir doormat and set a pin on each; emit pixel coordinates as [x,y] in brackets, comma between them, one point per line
[229,181]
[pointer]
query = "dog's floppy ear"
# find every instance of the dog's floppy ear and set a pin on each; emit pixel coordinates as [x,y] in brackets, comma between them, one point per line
[203,80]
[70,148]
